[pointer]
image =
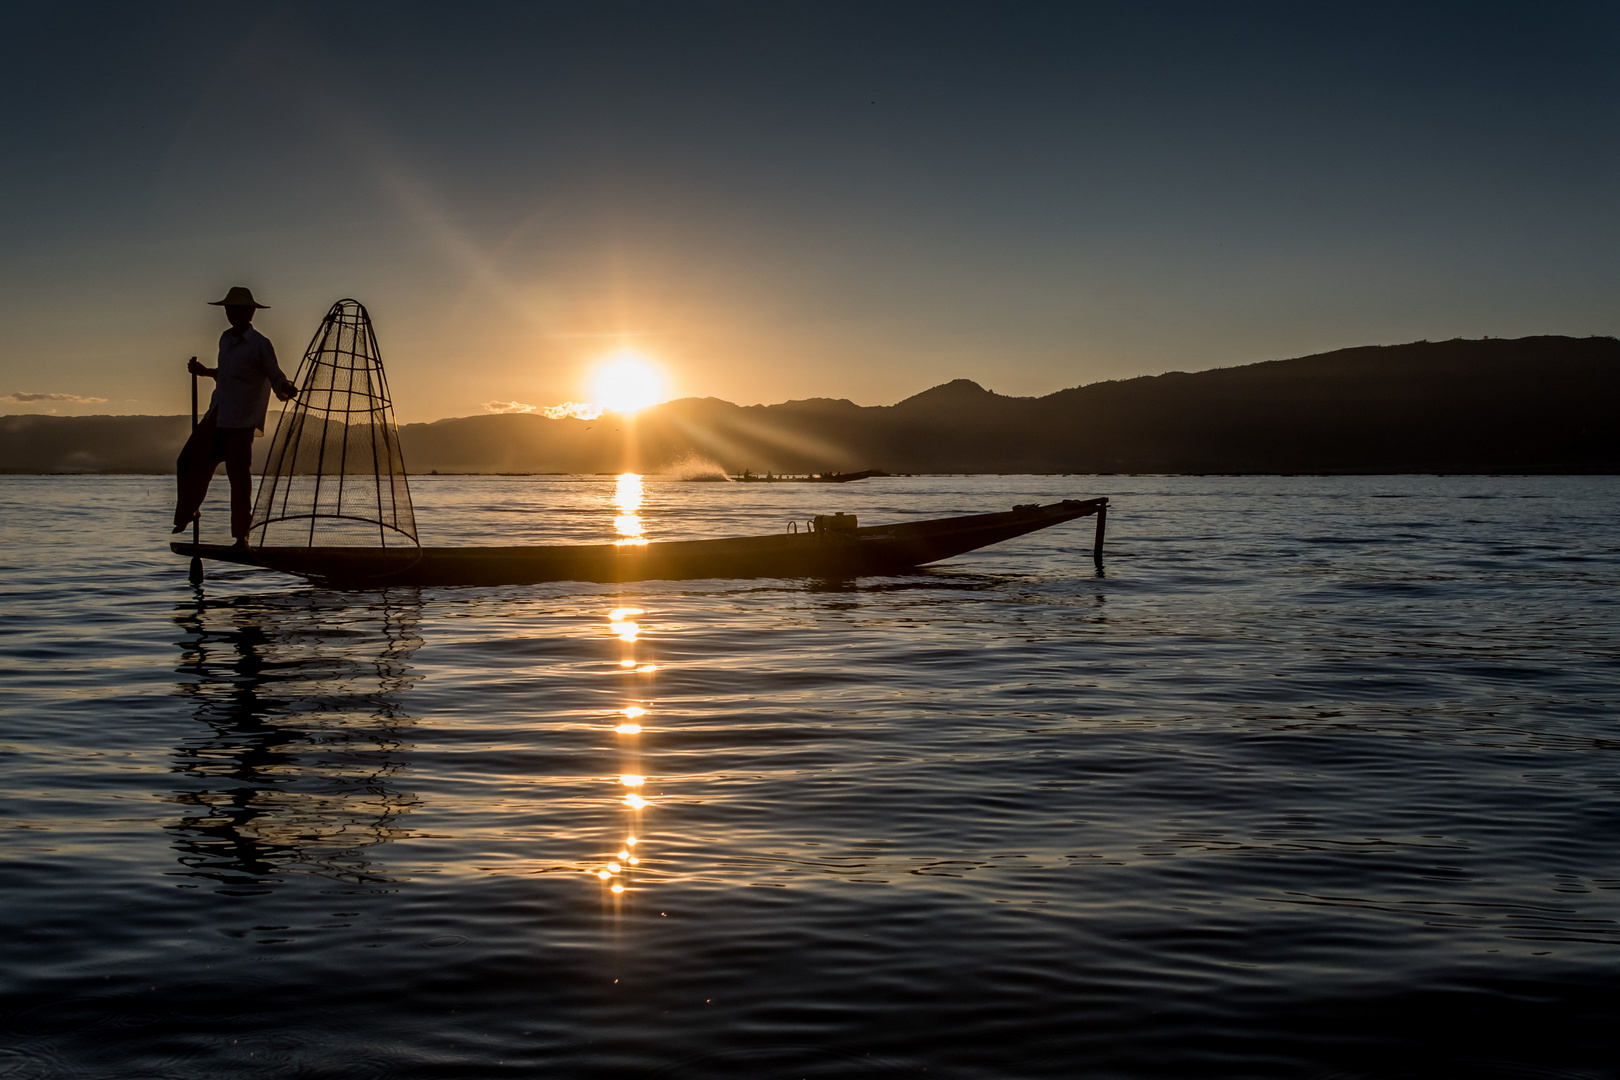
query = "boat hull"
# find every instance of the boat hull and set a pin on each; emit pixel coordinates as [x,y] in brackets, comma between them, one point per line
[872,550]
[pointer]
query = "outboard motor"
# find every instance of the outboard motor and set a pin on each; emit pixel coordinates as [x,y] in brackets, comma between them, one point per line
[835,524]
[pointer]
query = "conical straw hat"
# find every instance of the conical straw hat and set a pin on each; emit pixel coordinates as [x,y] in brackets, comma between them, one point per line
[239,296]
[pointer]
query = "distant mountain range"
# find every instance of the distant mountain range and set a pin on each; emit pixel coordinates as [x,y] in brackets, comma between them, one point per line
[1537,405]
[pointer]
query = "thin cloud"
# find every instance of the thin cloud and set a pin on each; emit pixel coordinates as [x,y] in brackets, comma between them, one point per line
[573,410]
[568,410]
[21,398]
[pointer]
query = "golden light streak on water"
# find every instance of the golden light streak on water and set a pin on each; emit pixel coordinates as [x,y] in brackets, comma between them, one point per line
[628,495]
[621,625]
[620,622]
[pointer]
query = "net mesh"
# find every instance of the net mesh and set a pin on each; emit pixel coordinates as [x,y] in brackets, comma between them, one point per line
[335,476]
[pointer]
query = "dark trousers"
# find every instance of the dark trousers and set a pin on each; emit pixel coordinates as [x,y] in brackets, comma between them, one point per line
[208,446]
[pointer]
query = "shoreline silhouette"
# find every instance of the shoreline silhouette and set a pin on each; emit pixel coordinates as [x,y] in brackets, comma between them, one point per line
[1527,405]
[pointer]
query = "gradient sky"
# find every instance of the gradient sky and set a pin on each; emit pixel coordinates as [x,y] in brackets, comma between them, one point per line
[782,200]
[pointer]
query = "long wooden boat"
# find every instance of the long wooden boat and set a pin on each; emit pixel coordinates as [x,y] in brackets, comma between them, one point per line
[835,548]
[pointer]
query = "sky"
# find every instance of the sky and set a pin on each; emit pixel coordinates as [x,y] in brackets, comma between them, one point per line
[778,200]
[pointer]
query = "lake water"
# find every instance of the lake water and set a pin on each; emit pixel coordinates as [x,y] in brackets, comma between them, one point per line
[1319,778]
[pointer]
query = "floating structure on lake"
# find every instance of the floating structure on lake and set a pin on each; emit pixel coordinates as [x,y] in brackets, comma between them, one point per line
[748,477]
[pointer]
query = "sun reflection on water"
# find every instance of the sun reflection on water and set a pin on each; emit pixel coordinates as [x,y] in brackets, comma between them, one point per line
[616,869]
[628,494]
[625,628]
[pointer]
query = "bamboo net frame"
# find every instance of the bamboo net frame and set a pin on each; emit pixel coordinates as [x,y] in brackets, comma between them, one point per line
[335,476]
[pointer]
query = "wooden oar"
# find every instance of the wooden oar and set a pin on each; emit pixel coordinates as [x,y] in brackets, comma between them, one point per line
[196,575]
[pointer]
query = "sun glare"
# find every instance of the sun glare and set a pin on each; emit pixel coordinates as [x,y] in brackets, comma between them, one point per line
[626,382]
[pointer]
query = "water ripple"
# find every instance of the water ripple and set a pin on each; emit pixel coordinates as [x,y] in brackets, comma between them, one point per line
[1315,779]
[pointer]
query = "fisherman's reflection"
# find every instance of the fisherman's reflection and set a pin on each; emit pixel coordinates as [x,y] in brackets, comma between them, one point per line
[297,760]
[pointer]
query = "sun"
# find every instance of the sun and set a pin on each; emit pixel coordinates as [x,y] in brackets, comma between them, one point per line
[626,382]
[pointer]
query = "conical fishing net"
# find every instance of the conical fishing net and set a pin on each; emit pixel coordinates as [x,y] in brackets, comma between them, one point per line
[335,475]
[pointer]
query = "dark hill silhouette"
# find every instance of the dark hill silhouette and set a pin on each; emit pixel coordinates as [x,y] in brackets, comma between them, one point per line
[91,444]
[957,396]
[1539,404]
[1529,404]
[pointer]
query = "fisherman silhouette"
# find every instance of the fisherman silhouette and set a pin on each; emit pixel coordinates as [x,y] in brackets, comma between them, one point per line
[246,373]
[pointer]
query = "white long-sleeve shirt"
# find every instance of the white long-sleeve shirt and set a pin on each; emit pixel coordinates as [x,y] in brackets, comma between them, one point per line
[247,371]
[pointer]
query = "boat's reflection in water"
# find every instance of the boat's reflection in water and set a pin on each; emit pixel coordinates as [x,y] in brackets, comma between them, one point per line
[296,761]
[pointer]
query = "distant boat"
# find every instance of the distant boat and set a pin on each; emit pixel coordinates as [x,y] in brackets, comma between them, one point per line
[813,478]
[833,546]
